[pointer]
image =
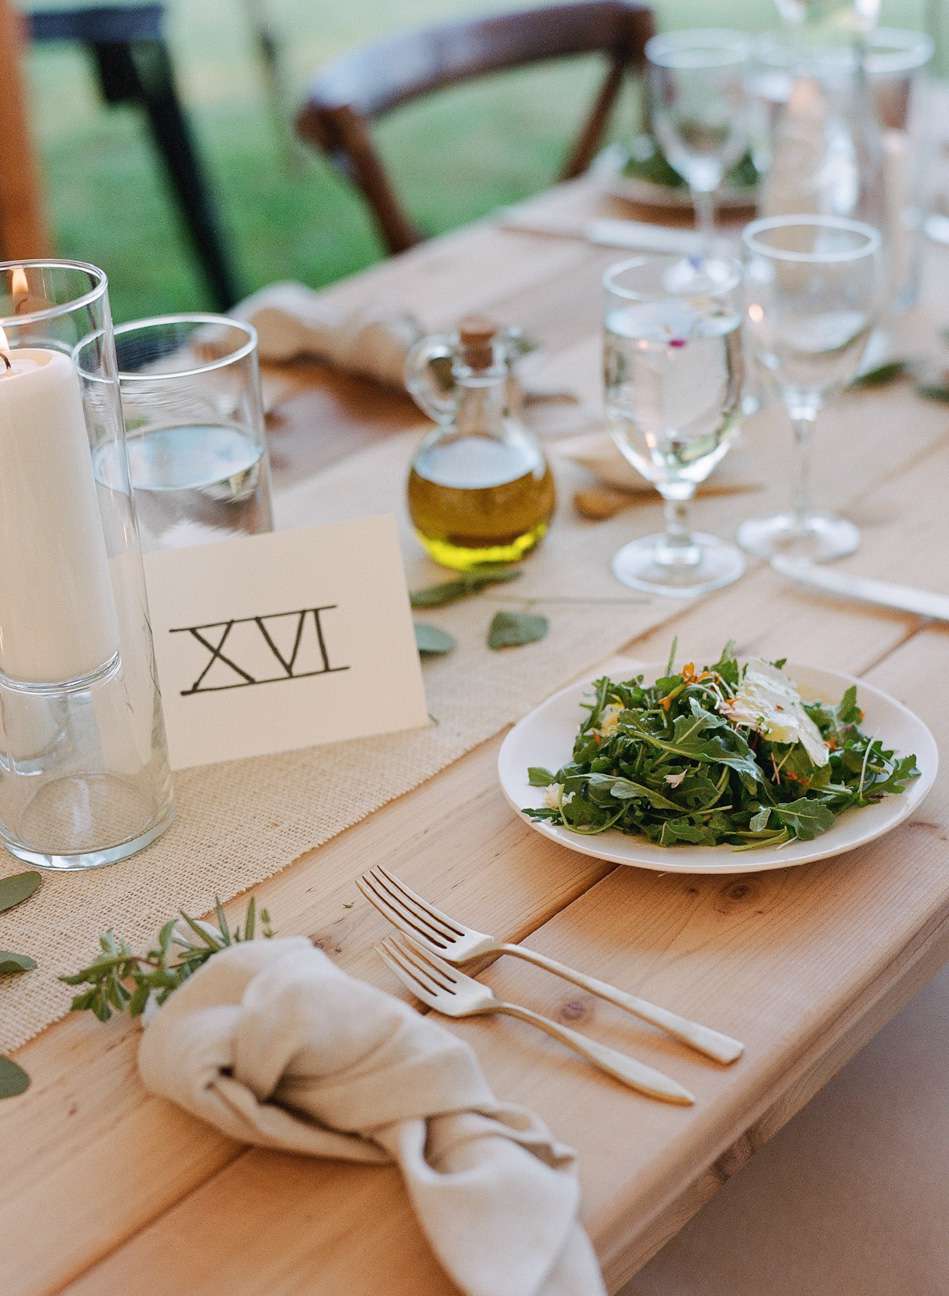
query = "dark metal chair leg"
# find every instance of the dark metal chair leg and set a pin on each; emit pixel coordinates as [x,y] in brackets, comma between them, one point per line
[150,63]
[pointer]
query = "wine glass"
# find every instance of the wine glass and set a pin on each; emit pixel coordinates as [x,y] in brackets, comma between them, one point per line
[697,110]
[812,296]
[673,376]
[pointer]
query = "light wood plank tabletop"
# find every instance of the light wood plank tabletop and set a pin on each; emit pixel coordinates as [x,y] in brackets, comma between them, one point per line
[118,1192]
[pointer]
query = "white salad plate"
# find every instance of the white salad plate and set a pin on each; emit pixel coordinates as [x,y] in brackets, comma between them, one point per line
[545,738]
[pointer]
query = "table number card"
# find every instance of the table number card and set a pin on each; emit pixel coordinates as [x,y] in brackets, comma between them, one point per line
[274,642]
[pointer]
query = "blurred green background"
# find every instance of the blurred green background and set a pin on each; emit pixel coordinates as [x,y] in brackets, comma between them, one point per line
[285,214]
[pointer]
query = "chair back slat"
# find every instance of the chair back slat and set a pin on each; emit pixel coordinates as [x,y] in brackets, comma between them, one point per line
[366,83]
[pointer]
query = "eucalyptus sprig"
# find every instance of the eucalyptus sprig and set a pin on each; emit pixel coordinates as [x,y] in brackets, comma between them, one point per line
[464,584]
[122,981]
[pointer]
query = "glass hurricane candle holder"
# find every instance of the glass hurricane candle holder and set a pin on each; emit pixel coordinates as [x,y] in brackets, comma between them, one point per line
[84,776]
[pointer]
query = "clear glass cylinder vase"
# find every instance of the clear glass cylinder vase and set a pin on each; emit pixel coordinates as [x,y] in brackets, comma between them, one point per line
[84,777]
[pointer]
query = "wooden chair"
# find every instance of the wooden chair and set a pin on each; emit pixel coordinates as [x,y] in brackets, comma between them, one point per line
[366,83]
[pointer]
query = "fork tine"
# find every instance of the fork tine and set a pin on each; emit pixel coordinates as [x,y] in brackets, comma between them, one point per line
[414,906]
[425,905]
[412,980]
[435,964]
[399,917]
[444,976]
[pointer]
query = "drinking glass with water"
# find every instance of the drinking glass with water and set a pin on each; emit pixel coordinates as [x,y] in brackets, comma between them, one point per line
[195,429]
[673,381]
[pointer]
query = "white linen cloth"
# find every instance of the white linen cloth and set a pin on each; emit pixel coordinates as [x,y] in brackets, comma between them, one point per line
[599,454]
[276,1046]
[292,321]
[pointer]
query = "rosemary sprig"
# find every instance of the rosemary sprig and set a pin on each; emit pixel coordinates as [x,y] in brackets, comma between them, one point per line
[122,981]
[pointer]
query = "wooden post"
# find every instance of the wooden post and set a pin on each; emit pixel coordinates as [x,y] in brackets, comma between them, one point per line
[23,230]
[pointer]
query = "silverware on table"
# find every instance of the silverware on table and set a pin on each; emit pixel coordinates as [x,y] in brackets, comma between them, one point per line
[454,942]
[634,236]
[442,987]
[904,598]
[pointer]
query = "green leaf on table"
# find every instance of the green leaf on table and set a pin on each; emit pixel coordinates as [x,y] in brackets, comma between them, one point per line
[882,374]
[13,1079]
[14,890]
[10,962]
[467,583]
[430,640]
[805,817]
[933,391]
[511,629]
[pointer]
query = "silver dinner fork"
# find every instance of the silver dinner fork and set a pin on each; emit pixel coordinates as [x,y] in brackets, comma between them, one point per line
[453,941]
[442,987]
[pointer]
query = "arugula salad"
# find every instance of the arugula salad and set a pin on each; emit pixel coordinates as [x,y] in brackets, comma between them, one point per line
[726,754]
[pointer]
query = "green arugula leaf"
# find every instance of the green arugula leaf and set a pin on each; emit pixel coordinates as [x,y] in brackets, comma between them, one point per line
[464,585]
[13,1079]
[759,821]
[624,789]
[512,629]
[806,818]
[430,640]
[902,773]
[687,741]
[539,777]
[10,962]
[14,890]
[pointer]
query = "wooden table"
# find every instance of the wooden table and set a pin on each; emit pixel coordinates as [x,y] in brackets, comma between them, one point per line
[107,1190]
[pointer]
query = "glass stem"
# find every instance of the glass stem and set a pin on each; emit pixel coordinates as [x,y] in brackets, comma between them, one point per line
[801,505]
[704,202]
[677,547]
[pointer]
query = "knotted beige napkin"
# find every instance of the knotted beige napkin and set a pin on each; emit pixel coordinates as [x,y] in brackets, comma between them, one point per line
[598,452]
[274,1045]
[292,320]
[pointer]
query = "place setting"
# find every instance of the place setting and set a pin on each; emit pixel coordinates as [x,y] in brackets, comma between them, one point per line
[481,717]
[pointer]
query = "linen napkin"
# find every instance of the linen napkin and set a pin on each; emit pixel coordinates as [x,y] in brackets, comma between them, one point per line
[597,452]
[276,1046]
[292,321]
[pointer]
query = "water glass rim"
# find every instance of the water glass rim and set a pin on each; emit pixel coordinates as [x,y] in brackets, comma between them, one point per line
[240,352]
[731,47]
[100,286]
[888,51]
[709,288]
[869,247]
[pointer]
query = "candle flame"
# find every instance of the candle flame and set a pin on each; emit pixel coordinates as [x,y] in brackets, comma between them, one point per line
[19,284]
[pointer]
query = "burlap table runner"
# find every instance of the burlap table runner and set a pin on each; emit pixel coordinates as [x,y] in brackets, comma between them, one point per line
[240,822]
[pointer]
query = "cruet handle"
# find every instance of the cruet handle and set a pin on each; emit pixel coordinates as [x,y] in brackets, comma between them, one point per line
[436,399]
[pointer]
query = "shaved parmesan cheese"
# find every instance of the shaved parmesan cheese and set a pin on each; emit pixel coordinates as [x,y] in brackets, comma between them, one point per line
[769,703]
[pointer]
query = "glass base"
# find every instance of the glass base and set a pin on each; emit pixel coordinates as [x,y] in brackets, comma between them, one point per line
[822,536]
[89,857]
[716,563]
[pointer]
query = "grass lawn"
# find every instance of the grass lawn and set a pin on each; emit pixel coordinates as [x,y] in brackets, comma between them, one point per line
[455,156]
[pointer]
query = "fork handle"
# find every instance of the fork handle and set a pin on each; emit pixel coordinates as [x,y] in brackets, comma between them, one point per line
[710,1042]
[627,1069]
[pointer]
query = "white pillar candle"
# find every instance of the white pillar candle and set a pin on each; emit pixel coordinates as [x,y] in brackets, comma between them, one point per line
[57,614]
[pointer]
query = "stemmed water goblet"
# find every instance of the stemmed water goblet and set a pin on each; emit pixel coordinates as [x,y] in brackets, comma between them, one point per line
[673,378]
[696,102]
[812,296]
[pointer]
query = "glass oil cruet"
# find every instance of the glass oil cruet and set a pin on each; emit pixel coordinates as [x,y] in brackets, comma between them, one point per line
[479,489]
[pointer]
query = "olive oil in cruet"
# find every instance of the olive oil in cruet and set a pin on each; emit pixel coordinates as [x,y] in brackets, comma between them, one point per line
[479,488]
